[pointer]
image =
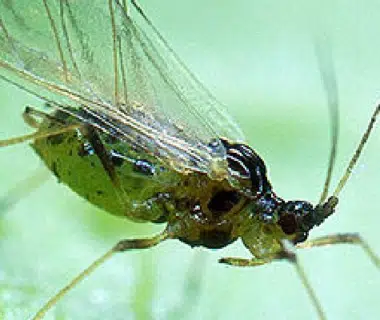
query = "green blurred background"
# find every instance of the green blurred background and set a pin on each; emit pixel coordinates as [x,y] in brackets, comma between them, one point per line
[258,58]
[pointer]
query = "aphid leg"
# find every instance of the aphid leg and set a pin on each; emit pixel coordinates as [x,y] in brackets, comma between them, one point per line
[32,118]
[23,188]
[242,262]
[121,246]
[288,253]
[342,238]
[103,154]
[30,115]
[101,151]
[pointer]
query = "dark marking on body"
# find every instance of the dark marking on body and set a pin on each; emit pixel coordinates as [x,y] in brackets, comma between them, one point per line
[222,202]
[85,149]
[145,167]
[55,170]
[213,238]
[116,158]
[56,139]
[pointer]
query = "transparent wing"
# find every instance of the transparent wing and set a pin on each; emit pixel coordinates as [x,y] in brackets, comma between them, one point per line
[96,55]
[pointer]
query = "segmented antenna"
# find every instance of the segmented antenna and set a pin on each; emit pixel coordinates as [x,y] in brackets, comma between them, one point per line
[357,153]
[328,76]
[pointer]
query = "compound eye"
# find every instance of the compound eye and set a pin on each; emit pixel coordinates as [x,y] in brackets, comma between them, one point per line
[223,202]
[296,216]
[288,223]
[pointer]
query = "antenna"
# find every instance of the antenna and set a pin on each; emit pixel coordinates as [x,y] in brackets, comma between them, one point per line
[357,153]
[322,46]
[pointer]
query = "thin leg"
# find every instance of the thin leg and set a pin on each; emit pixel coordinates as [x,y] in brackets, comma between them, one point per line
[288,253]
[241,262]
[30,114]
[121,246]
[343,238]
[37,135]
[29,118]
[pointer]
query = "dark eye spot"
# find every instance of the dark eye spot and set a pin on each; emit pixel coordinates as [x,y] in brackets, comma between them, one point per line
[288,223]
[222,202]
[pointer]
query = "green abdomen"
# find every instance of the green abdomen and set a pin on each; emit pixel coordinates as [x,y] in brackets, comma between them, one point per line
[108,172]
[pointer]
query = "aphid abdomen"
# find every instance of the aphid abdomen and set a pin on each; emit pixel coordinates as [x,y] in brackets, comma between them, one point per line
[107,173]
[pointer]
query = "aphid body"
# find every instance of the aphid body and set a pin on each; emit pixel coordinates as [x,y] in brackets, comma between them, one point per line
[200,211]
[148,142]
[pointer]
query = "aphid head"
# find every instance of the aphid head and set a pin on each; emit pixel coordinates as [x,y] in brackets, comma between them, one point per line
[278,218]
[298,217]
[272,219]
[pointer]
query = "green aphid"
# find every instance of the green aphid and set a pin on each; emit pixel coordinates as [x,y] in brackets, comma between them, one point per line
[134,132]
